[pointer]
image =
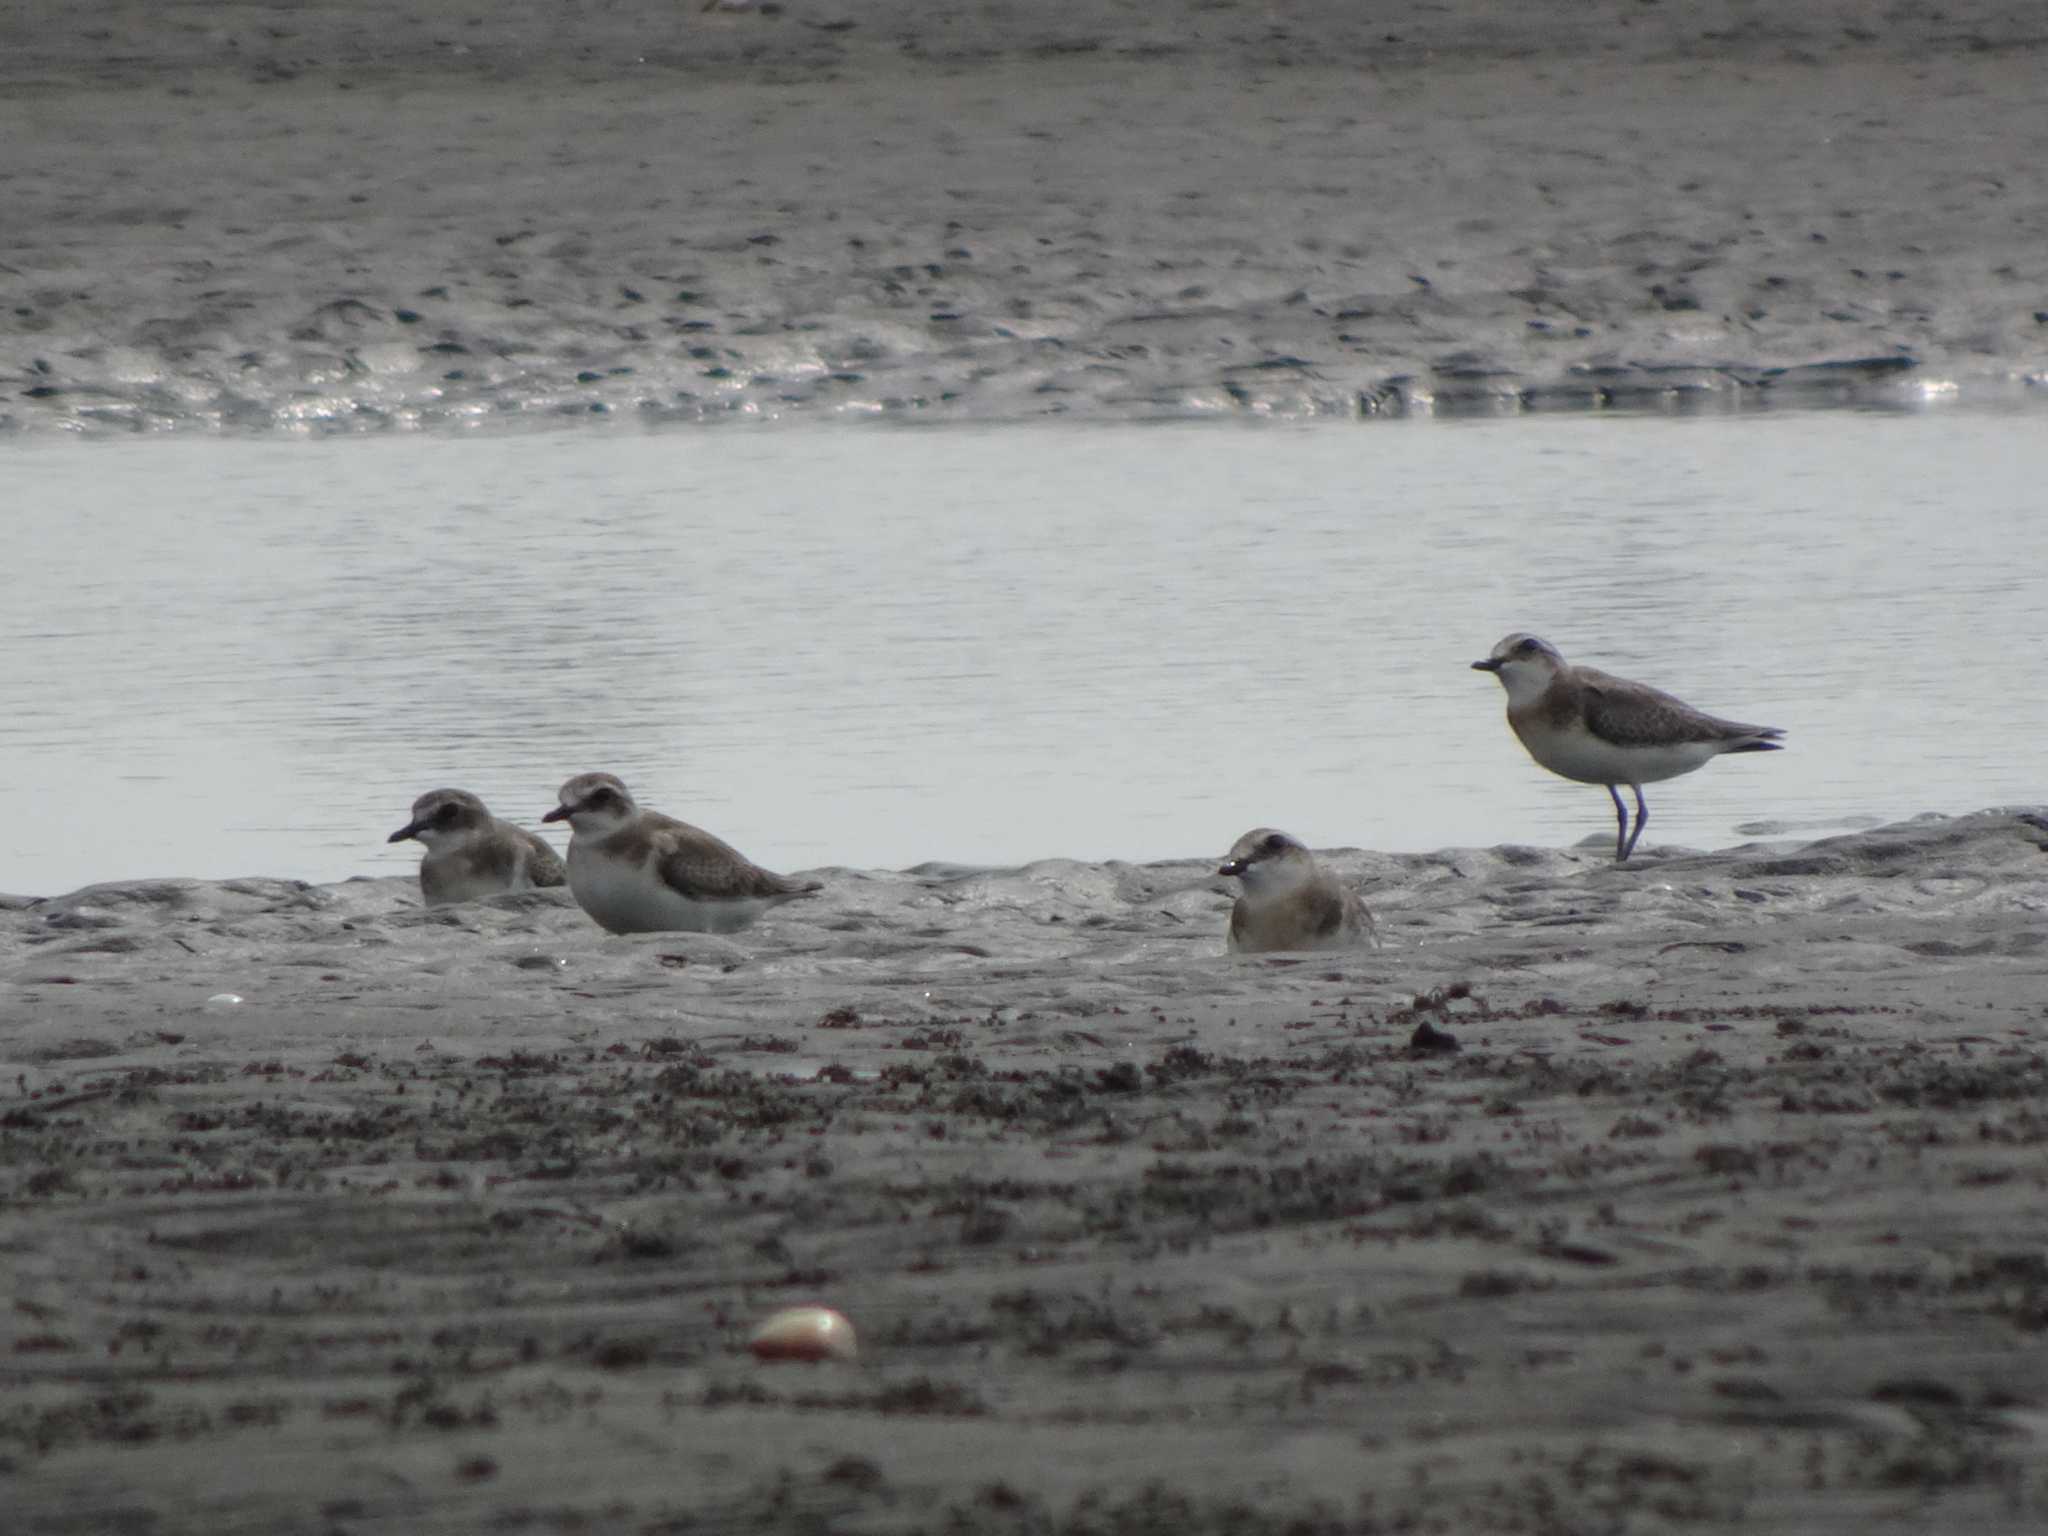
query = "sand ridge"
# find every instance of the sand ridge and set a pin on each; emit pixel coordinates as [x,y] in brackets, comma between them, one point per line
[1724,1209]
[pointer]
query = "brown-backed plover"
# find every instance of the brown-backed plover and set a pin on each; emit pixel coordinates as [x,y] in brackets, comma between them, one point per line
[1597,729]
[638,871]
[1289,900]
[471,853]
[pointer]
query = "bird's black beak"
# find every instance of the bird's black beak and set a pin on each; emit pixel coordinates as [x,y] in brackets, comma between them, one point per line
[1232,867]
[1491,664]
[559,813]
[410,829]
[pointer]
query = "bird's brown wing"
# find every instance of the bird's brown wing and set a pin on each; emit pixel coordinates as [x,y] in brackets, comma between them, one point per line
[543,864]
[1635,714]
[693,863]
[1325,907]
[1335,908]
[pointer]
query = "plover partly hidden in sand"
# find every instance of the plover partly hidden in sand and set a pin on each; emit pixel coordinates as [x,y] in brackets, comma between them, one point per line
[1585,725]
[470,853]
[638,871]
[1289,900]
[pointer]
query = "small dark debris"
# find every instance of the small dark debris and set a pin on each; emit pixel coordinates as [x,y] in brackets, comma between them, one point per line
[1917,1393]
[1429,1040]
[1722,1157]
[622,1354]
[855,1472]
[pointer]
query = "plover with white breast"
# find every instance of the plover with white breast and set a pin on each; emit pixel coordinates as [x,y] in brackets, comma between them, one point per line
[1290,901]
[1584,725]
[471,853]
[638,871]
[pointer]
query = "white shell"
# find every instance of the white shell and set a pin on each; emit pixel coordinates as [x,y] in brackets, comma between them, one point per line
[804,1333]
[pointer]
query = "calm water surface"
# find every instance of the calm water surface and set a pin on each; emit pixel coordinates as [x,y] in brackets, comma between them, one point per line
[875,647]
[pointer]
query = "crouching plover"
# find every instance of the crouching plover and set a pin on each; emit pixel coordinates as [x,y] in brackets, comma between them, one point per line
[470,853]
[1289,900]
[637,871]
[1598,729]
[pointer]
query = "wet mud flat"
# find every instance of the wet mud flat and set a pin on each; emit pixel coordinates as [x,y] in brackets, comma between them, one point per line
[386,215]
[1697,1194]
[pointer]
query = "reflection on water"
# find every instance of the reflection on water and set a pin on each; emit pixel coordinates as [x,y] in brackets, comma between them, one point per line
[874,647]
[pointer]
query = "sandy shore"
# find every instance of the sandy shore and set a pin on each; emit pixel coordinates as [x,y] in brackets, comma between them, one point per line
[1725,1211]
[386,214]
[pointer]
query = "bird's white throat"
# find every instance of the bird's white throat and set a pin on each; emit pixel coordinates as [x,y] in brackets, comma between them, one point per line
[1525,680]
[1268,878]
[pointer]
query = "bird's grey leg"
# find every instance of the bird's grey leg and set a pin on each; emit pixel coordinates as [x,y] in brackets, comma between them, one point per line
[1621,828]
[1642,815]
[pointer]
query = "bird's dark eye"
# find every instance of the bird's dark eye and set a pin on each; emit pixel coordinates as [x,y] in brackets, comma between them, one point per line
[599,797]
[1529,647]
[1276,842]
[446,813]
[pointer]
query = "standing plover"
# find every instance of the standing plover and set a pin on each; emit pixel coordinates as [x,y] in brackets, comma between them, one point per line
[472,854]
[638,871]
[1290,901]
[1598,729]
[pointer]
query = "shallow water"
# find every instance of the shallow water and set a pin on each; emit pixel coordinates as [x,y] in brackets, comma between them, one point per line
[875,647]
